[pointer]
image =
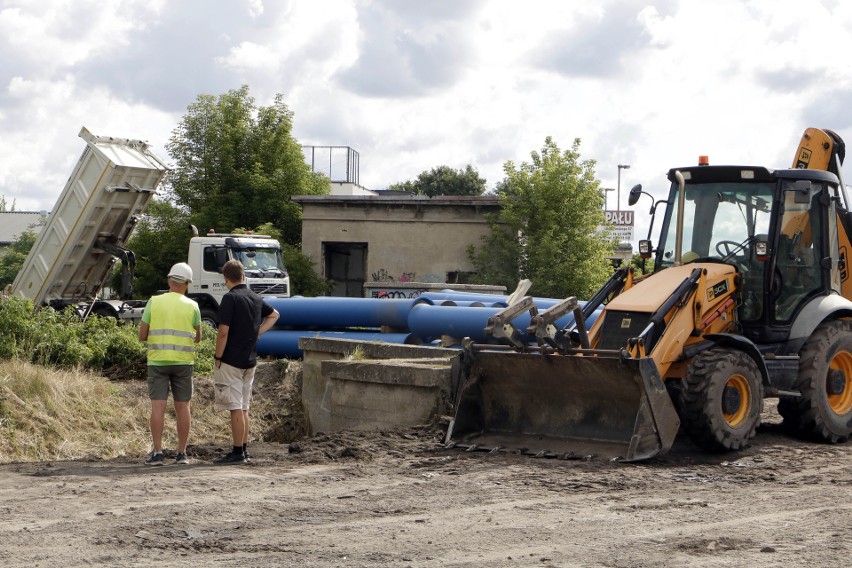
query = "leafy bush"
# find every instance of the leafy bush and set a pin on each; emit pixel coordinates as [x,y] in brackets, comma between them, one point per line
[13,257]
[303,278]
[61,339]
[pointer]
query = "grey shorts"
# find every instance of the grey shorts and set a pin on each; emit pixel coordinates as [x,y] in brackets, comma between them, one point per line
[177,378]
[233,387]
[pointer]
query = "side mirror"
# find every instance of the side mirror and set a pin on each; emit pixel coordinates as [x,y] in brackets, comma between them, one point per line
[635,192]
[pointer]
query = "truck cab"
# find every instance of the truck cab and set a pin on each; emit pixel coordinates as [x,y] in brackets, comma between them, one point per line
[260,255]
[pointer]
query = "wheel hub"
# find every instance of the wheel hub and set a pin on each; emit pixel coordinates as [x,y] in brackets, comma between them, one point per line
[731,400]
[836,382]
[736,400]
[838,387]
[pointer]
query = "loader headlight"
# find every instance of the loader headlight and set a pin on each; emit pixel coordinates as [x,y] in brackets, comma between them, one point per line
[645,248]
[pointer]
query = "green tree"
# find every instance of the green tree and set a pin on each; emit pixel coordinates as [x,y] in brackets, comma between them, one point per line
[636,263]
[4,203]
[12,259]
[548,227]
[444,180]
[160,240]
[237,164]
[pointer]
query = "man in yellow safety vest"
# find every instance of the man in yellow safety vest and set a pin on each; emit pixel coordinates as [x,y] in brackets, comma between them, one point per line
[171,325]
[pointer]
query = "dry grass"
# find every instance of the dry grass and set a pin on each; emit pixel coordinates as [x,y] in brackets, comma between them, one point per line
[48,414]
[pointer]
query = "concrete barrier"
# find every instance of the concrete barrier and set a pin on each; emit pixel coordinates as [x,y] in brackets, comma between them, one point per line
[371,395]
[386,386]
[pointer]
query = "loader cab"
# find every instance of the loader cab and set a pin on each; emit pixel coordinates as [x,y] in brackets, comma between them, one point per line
[777,227]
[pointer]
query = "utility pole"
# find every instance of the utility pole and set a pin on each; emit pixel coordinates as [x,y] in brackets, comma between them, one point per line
[618,196]
[606,191]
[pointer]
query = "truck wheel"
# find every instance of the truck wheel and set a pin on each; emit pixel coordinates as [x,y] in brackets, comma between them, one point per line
[824,411]
[104,312]
[721,400]
[210,317]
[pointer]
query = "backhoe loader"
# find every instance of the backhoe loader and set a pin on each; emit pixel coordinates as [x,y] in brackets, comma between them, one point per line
[749,299]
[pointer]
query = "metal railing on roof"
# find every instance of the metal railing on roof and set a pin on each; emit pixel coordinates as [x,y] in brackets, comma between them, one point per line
[340,163]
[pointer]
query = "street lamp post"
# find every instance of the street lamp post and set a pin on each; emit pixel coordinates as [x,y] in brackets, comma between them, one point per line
[618,196]
[606,191]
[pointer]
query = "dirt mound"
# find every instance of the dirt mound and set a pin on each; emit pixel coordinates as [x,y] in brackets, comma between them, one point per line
[277,401]
[278,405]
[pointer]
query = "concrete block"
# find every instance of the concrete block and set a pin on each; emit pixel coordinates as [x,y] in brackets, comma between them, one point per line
[369,395]
[331,404]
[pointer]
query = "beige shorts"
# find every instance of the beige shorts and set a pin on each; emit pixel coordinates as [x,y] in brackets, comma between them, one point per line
[233,387]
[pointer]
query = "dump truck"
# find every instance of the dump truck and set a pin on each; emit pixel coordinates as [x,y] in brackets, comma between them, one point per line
[86,232]
[749,299]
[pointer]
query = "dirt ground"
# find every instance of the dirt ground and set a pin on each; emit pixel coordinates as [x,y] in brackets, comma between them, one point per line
[400,499]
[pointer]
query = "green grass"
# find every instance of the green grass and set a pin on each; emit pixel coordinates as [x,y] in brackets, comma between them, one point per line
[71,389]
[54,414]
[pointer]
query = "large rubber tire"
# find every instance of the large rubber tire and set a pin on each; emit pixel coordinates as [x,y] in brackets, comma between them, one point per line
[210,317]
[721,400]
[818,414]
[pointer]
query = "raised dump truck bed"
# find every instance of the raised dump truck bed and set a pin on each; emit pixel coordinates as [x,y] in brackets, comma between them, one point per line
[93,217]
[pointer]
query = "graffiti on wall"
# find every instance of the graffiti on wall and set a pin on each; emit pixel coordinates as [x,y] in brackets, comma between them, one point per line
[383,275]
[393,294]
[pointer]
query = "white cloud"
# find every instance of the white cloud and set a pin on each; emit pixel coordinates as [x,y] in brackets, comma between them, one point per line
[413,85]
[40,149]
[52,34]
[250,55]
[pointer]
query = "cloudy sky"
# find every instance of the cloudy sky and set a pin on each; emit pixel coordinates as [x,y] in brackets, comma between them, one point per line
[415,84]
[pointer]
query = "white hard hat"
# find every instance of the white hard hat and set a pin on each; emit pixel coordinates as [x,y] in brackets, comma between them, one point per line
[181,272]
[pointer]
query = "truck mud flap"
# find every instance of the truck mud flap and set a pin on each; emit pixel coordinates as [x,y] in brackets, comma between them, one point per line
[563,406]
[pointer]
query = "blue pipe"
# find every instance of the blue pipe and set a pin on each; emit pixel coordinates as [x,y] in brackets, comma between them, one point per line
[463,296]
[430,322]
[471,304]
[285,342]
[337,313]
[487,299]
[459,317]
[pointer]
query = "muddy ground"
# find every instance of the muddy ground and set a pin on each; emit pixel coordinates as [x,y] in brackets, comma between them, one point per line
[401,499]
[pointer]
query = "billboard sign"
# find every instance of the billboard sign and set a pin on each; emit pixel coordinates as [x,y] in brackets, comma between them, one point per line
[622,225]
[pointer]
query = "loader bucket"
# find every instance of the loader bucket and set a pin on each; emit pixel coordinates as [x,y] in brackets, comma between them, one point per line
[563,406]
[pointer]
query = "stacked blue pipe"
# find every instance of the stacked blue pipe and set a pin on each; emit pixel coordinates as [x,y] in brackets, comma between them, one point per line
[285,342]
[341,313]
[432,316]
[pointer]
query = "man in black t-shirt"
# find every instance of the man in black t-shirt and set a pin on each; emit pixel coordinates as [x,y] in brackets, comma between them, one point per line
[243,317]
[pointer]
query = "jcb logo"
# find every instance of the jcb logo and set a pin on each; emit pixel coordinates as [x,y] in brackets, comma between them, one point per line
[804,159]
[717,290]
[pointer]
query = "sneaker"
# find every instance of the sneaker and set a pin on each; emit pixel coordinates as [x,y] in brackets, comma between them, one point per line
[246,455]
[154,458]
[181,458]
[231,458]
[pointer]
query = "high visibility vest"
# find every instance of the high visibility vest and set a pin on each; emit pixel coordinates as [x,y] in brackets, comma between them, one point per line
[171,335]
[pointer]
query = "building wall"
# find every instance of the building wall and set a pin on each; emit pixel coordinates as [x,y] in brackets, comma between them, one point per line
[408,238]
